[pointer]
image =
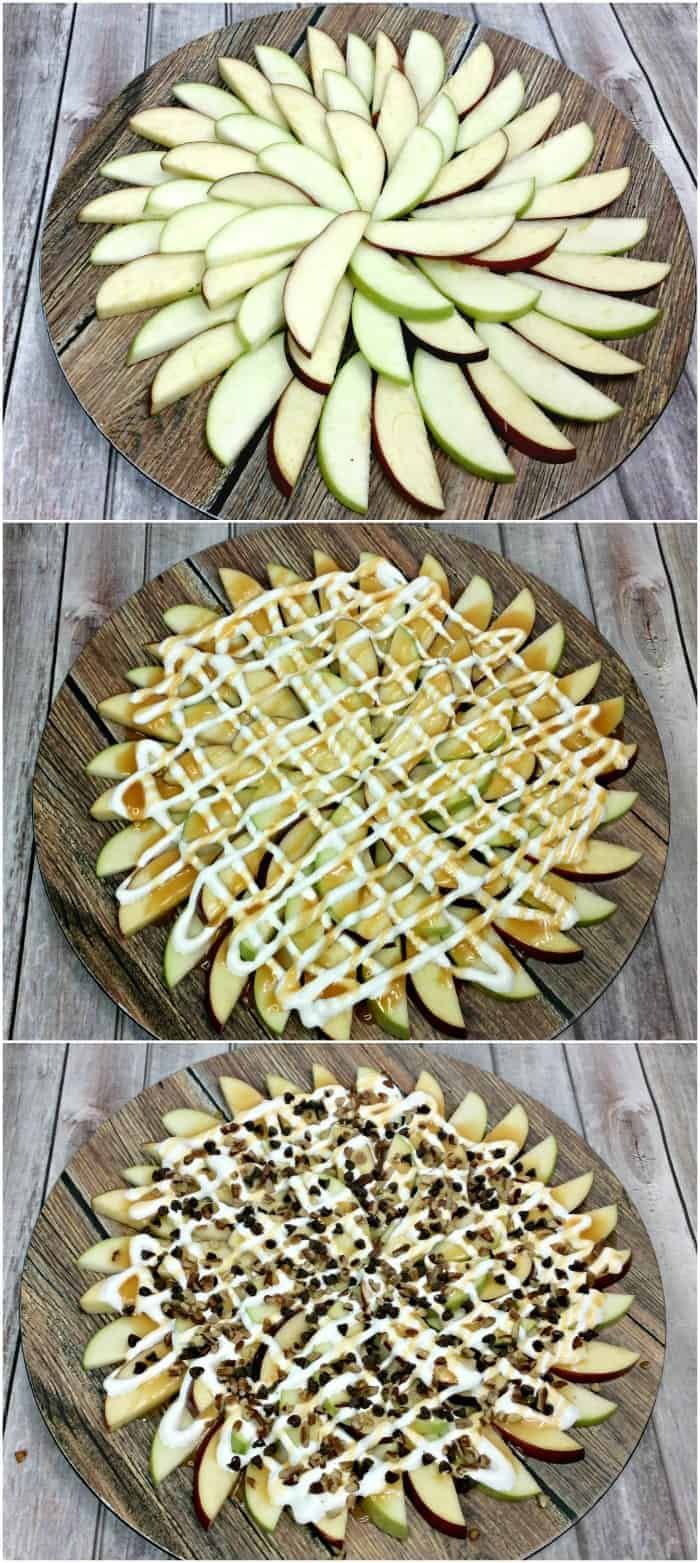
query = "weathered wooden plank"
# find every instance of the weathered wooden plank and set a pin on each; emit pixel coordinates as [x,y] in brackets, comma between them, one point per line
[678,544]
[671,1076]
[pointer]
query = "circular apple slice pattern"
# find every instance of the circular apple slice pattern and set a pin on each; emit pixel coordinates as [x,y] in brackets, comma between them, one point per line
[373,253]
[339,1297]
[351,784]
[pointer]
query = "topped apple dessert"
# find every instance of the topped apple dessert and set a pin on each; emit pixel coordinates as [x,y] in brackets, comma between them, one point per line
[350,781]
[424,213]
[340,1296]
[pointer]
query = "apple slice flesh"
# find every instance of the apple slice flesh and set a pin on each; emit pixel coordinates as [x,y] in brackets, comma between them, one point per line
[470,168]
[136,168]
[221,284]
[360,154]
[344,96]
[359,62]
[324,55]
[479,293]
[527,129]
[435,1496]
[455,419]
[129,242]
[245,397]
[207,160]
[264,232]
[191,229]
[118,206]
[316,274]
[250,133]
[386,59]
[524,244]
[609,273]
[451,338]
[307,119]
[556,160]
[507,200]
[206,99]
[146,283]
[441,117]
[573,197]
[440,239]
[472,80]
[252,88]
[195,363]
[573,347]
[494,111]
[172,127]
[398,115]
[291,433]
[414,171]
[602,235]
[471,1117]
[395,287]
[595,1363]
[596,313]
[301,166]
[516,417]
[344,435]
[380,339]
[262,311]
[539,1440]
[424,64]
[225,989]
[318,370]
[549,383]
[402,445]
[280,68]
[256,189]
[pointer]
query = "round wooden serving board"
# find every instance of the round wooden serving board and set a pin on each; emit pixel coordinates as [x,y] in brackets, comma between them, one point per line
[171,448]
[115,1466]
[68,839]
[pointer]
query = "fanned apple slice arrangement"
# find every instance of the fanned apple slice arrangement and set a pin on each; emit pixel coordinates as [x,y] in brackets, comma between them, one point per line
[346,783]
[342,1296]
[420,220]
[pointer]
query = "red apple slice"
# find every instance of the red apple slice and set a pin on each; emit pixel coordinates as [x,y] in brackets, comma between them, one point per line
[470,168]
[435,1496]
[573,197]
[596,1362]
[522,246]
[424,64]
[344,97]
[360,154]
[315,276]
[359,60]
[472,80]
[518,420]
[601,860]
[495,111]
[549,383]
[324,55]
[527,129]
[386,59]
[455,237]
[452,338]
[311,173]
[607,273]
[212,1483]
[602,235]
[508,200]
[256,189]
[291,433]
[318,370]
[514,1127]
[539,1440]
[398,115]
[402,445]
[556,160]
[413,172]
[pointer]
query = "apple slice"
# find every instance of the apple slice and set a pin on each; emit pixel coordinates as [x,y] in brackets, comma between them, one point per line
[609,273]
[441,117]
[127,243]
[315,276]
[251,133]
[221,284]
[196,362]
[471,1117]
[596,1362]
[344,435]
[537,940]
[452,338]
[213,1482]
[573,347]
[225,989]
[457,237]
[170,127]
[602,235]
[324,55]
[602,860]
[507,200]
[523,245]
[387,1510]
[244,398]
[575,196]
[433,984]
[211,101]
[515,417]
[238,1094]
[262,310]
[380,339]
[549,383]
[470,168]
[529,128]
[291,433]
[412,174]
[556,160]
[307,119]
[424,64]
[344,96]
[207,160]
[386,59]
[318,370]
[145,283]
[193,227]
[402,445]
[360,154]
[176,195]
[281,69]
[479,293]
[252,88]
[591,1409]
[117,206]
[596,313]
[398,115]
[513,1126]
[472,80]
[136,168]
[359,61]
[495,111]
[455,419]
[539,1440]
[522,1484]
[263,232]
[435,1496]
[256,189]
[396,287]
[310,172]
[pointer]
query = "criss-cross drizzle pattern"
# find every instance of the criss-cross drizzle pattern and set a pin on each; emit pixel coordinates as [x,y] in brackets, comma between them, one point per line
[347,781]
[338,1291]
[376,250]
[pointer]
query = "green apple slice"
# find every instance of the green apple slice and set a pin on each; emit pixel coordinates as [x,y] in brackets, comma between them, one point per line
[591,1409]
[263,232]
[344,435]
[575,196]
[550,384]
[118,206]
[145,283]
[221,284]
[574,347]
[402,444]
[207,160]
[387,1510]
[292,432]
[413,172]
[555,161]
[541,1160]
[316,275]
[225,988]
[380,339]
[494,111]
[178,963]
[524,245]
[195,363]
[596,313]
[455,237]
[441,117]
[311,173]
[608,273]
[360,154]
[245,397]
[394,286]
[262,310]
[602,235]
[479,293]
[191,229]
[455,419]
[127,243]
[170,127]
[471,1117]
[111,1344]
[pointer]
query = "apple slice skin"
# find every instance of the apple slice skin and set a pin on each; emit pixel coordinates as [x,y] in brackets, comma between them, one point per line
[511,433]
[426,335]
[564,1456]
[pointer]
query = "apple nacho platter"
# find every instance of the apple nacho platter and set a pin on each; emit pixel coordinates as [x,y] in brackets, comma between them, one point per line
[351,1305]
[365,262]
[351,791]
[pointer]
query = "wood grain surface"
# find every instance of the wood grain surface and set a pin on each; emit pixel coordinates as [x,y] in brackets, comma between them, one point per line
[68,838]
[171,448]
[115,1467]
